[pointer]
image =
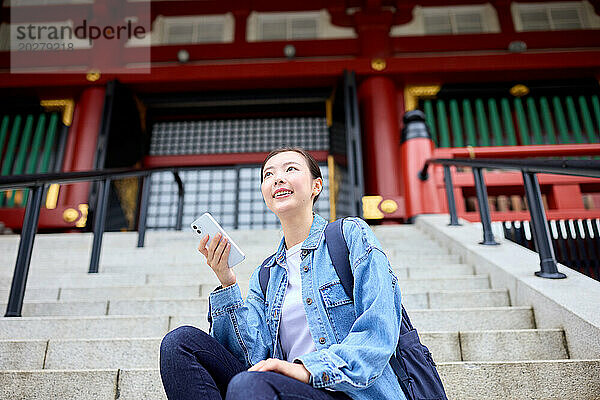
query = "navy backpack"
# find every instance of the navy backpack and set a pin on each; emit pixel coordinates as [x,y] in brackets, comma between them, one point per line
[412,362]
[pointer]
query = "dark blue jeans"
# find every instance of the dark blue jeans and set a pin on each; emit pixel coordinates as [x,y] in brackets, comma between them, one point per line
[194,365]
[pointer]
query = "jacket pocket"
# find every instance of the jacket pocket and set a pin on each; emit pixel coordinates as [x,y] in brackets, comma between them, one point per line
[339,308]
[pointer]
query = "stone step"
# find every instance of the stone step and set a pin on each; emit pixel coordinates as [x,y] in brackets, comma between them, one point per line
[131,326]
[195,275]
[543,380]
[144,353]
[196,290]
[547,380]
[468,319]
[459,319]
[424,300]
[83,327]
[158,306]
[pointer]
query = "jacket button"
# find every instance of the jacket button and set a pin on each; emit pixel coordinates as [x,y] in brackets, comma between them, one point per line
[306,268]
[309,301]
[322,340]
[325,377]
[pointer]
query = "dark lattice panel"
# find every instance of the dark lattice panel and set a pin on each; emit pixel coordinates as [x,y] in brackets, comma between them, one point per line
[238,135]
[231,194]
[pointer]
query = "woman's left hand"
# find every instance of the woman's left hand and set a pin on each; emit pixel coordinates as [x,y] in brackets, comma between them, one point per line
[296,371]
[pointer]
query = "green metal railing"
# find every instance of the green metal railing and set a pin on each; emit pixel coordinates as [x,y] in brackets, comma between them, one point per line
[513,121]
[28,150]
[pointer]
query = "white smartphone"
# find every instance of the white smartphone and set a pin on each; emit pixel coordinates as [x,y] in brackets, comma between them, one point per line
[206,224]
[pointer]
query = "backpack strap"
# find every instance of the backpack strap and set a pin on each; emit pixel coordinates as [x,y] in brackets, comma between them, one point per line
[264,274]
[339,254]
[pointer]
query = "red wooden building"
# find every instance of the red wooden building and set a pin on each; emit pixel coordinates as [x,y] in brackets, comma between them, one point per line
[217,84]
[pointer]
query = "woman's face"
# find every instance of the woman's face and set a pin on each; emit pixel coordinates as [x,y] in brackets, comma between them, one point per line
[288,184]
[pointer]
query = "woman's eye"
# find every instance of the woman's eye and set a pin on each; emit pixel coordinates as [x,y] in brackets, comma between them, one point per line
[266,174]
[291,167]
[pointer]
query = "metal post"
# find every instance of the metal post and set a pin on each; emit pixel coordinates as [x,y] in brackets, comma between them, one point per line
[143,210]
[30,225]
[484,208]
[181,193]
[450,196]
[539,227]
[99,222]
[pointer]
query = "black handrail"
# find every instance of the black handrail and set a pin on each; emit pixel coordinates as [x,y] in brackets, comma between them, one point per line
[37,182]
[529,169]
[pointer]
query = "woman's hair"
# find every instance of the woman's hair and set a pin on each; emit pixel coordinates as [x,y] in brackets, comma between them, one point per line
[313,166]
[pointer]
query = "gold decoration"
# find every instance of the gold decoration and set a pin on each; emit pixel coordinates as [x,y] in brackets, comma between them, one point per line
[70,215]
[127,191]
[66,106]
[92,76]
[329,111]
[83,208]
[334,186]
[378,64]
[519,90]
[471,151]
[389,206]
[18,195]
[370,209]
[412,94]
[52,196]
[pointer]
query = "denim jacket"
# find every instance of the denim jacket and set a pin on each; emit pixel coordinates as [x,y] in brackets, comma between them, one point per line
[354,340]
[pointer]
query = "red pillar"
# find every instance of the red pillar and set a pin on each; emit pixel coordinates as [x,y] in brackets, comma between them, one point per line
[381,137]
[81,147]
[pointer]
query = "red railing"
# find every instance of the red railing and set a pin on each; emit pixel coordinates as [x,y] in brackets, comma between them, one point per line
[564,195]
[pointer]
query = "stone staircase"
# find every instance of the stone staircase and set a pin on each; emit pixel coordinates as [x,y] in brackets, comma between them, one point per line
[98,336]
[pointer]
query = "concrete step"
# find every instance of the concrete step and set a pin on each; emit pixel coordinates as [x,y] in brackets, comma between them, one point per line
[189,275]
[458,319]
[128,292]
[469,319]
[543,380]
[556,379]
[513,345]
[158,306]
[84,327]
[143,353]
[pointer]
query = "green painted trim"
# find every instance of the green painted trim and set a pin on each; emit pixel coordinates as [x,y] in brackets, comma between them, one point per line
[456,125]
[511,138]
[10,151]
[36,146]
[547,120]
[534,121]
[587,120]
[574,120]
[522,122]
[596,107]
[561,122]
[3,133]
[49,144]
[482,123]
[430,120]
[443,124]
[19,165]
[469,123]
[495,122]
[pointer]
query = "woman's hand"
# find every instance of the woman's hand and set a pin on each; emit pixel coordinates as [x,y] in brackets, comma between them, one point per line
[217,255]
[293,370]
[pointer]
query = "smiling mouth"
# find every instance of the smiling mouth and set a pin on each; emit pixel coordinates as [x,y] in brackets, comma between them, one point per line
[283,194]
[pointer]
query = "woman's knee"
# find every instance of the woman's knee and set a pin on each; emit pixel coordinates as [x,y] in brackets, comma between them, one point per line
[246,384]
[180,336]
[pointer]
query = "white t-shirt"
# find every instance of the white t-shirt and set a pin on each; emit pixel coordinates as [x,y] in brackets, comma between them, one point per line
[293,329]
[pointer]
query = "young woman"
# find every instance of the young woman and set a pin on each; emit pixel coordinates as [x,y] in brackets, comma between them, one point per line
[306,339]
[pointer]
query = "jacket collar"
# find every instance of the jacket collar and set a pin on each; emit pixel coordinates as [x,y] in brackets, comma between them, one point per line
[310,243]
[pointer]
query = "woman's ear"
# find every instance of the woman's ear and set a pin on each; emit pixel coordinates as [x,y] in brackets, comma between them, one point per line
[317,186]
